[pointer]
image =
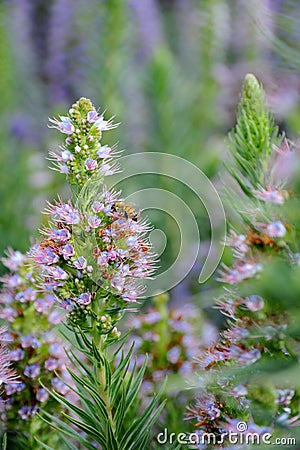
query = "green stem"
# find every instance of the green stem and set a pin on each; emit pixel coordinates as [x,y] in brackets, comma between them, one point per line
[99,341]
[161,301]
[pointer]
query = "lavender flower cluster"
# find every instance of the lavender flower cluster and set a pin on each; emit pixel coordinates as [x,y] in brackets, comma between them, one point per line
[170,339]
[34,349]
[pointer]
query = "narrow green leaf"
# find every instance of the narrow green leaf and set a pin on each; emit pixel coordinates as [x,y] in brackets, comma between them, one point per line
[97,354]
[90,430]
[4,442]
[69,444]
[133,392]
[65,429]
[92,392]
[144,421]
[119,413]
[44,445]
[112,442]
[76,409]
[107,375]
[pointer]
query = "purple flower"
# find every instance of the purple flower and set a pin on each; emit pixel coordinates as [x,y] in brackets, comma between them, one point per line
[59,386]
[55,317]
[52,364]
[57,273]
[68,250]
[9,314]
[254,303]
[11,388]
[43,305]
[80,263]
[57,350]
[97,206]
[244,356]
[99,122]
[13,281]
[66,156]
[28,295]
[94,221]
[284,396]
[205,407]
[64,212]
[42,395]
[26,412]
[103,259]
[32,370]
[92,116]
[84,299]
[64,124]
[91,164]
[270,195]
[30,341]
[108,169]
[239,391]
[16,355]
[276,229]
[44,255]
[236,334]
[49,337]
[104,151]
[173,354]
[6,298]
[60,235]
[14,260]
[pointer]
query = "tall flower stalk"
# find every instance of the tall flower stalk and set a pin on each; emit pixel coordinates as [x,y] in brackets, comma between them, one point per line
[35,353]
[92,257]
[236,383]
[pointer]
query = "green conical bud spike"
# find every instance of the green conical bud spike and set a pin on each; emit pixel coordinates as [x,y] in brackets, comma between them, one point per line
[251,86]
[254,138]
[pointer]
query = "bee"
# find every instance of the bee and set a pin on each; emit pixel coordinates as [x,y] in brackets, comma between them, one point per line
[203,422]
[210,365]
[61,226]
[50,243]
[259,239]
[101,232]
[144,246]
[127,210]
[96,252]
[20,312]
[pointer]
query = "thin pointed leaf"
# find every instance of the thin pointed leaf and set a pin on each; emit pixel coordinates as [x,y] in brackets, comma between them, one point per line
[146,420]
[44,445]
[69,444]
[65,429]
[4,441]
[90,430]
[112,442]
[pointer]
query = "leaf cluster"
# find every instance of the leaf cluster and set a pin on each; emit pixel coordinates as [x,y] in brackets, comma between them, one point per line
[107,412]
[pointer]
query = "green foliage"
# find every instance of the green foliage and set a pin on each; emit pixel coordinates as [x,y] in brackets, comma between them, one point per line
[254,139]
[107,413]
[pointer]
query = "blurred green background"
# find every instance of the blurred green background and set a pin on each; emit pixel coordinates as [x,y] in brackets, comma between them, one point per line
[169,70]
